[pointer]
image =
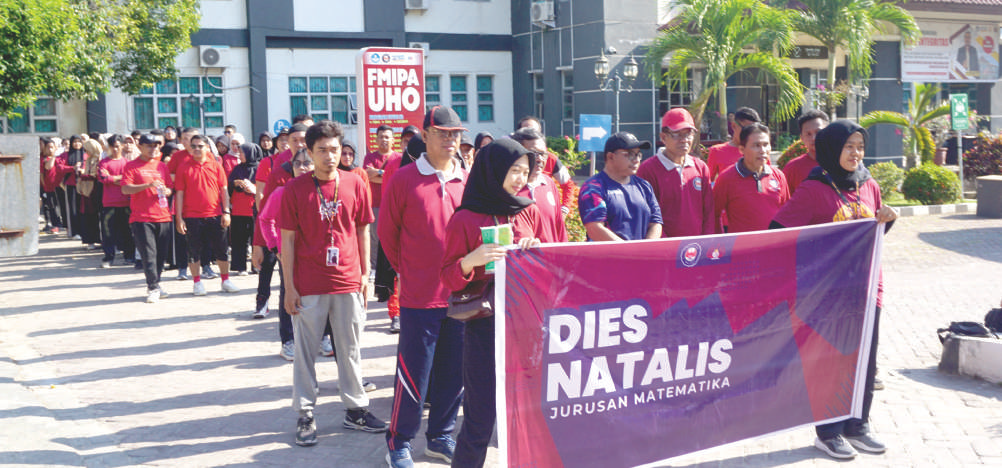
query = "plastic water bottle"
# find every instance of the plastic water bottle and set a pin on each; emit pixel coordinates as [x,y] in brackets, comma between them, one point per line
[162,196]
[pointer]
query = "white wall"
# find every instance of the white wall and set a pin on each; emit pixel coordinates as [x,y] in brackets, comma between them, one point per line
[236,96]
[446,63]
[283,63]
[223,14]
[328,15]
[461,17]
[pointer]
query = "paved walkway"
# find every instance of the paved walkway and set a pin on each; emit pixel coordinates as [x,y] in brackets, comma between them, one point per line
[92,376]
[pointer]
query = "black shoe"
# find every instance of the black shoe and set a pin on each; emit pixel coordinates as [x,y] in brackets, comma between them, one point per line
[139,264]
[395,324]
[362,420]
[836,447]
[867,443]
[306,431]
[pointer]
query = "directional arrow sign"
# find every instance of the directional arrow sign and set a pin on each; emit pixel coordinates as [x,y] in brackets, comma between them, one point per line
[595,129]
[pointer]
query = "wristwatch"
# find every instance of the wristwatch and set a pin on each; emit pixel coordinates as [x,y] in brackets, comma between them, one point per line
[226,211]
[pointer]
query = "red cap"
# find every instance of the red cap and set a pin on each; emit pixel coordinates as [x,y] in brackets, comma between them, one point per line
[677,119]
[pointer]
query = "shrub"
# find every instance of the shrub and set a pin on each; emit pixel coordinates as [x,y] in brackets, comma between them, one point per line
[795,149]
[889,176]
[575,228]
[930,184]
[984,158]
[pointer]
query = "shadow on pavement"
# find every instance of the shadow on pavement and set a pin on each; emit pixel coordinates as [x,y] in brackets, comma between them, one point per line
[131,325]
[959,383]
[769,459]
[969,242]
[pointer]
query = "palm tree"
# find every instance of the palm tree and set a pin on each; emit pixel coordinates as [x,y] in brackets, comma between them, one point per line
[919,143]
[726,37]
[851,25]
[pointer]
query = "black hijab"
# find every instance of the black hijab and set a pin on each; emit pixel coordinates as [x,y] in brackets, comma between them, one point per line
[485,193]
[480,138]
[253,153]
[74,156]
[273,150]
[415,147]
[828,143]
[353,165]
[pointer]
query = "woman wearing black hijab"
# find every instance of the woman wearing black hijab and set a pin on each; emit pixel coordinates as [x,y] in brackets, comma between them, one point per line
[841,189]
[68,165]
[500,171]
[482,139]
[242,192]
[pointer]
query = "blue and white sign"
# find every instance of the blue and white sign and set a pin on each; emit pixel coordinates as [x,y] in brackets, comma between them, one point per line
[595,129]
[281,124]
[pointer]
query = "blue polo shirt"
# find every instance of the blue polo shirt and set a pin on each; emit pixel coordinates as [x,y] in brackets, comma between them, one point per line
[626,209]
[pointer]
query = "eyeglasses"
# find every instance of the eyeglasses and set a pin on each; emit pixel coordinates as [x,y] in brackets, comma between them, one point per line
[447,133]
[629,154]
[302,163]
[682,134]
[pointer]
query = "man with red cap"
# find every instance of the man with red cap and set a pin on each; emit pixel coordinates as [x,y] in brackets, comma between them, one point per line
[417,203]
[680,181]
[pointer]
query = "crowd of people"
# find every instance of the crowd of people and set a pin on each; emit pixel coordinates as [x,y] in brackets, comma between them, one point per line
[408,224]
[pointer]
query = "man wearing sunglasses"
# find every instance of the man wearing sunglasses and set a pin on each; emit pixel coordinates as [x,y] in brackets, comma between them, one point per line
[147,182]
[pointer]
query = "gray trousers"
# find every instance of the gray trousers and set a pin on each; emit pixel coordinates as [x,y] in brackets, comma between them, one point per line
[347,318]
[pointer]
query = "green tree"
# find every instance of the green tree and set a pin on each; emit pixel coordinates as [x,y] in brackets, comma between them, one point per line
[76,49]
[851,25]
[922,110]
[725,37]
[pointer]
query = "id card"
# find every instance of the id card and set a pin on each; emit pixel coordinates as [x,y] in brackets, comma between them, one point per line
[332,256]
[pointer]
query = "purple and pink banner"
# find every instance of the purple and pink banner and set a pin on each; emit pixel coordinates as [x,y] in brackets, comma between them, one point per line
[623,354]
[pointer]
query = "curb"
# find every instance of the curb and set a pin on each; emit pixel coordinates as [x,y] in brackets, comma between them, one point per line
[937,209]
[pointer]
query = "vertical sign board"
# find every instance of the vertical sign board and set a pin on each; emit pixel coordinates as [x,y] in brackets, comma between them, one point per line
[958,112]
[390,91]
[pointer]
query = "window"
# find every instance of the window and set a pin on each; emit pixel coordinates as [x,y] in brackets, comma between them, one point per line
[432,95]
[39,118]
[538,93]
[674,94]
[457,85]
[324,97]
[189,101]
[485,98]
[567,88]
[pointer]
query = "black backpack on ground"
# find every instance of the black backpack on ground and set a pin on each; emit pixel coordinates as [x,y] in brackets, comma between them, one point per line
[993,320]
[965,329]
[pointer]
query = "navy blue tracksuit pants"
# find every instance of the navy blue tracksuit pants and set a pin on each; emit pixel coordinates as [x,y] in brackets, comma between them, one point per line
[479,395]
[429,368]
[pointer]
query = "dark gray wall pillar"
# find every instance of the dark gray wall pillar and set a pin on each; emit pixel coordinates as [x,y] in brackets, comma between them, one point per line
[885,94]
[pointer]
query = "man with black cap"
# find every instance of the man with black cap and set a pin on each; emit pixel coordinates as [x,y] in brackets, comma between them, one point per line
[406,135]
[615,204]
[418,202]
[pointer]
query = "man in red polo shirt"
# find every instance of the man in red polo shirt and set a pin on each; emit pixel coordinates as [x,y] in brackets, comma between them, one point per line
[114,206]
[751,191]
[418,203]
[797,170]
[147,181]
[680,181]
[203,213]
[325,243]
[375,167]
[724,155]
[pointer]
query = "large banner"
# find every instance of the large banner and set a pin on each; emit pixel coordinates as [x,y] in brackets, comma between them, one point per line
[622,354]
[390,91]
[952,53]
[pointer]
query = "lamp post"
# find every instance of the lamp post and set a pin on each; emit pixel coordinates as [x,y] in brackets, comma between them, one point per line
[615,82]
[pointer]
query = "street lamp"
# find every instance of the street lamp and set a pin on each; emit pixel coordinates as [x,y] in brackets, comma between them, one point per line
[615,83]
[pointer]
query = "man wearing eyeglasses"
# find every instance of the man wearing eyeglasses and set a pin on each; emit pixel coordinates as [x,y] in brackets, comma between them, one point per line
[417,203]
[681,182]
[202,208]
[615,204]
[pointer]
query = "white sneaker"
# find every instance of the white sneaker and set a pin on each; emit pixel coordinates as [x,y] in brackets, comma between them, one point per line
[242,273]
[199,289]
[288,350]
[163,293]
[229,287]
[105,264]
[153,296]
[326,347]
[261,313]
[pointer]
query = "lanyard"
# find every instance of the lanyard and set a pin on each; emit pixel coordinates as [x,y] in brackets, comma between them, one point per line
[328,210]
[855,208]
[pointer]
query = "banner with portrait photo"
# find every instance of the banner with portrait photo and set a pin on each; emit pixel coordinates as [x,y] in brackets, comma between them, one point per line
[952,53]
[622,354]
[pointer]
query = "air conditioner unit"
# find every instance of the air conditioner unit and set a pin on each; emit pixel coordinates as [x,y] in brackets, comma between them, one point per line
[416,4]
[420,45]
[542,13]
[214,56]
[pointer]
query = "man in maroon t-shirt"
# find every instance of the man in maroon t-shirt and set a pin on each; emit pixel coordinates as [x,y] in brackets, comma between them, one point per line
[147,181]
[325,241]
[375,166]
[751,191]
[202,212]
[797,170]
[114,206]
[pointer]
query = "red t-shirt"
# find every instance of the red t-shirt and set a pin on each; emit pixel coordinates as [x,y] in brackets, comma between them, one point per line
[112,195]
[378,160]
[553,168]
[229,162]
[243,203]
[301,213]
[548,203]
[392,165]
[462,236]
[269,163]
[177,159]
[750,203]
[145,205]
[817,203]
[201,184]
[278,178]
[63,169]
[797,170]
[685,197]
[721,157]
[412,223]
